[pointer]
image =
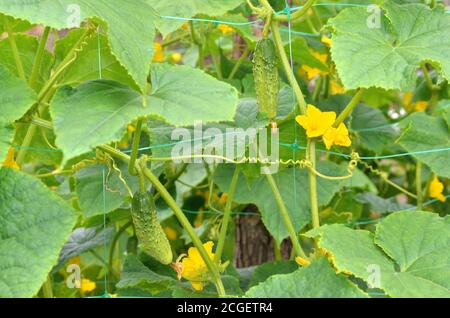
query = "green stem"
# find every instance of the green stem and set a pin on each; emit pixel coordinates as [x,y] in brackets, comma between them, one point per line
[296,15]
[239,62]
[317,89]
[25,144]
[135,147]
[285,215]
[427,77]
[419,185]
[113,245]
[68,60]
[188,227]
[115,153]
[15,50]
[175,39]
[312,179]
[349,108]
[39,57]
[47,288]
[287,67]
[276,251]
[226,217]
[172,180]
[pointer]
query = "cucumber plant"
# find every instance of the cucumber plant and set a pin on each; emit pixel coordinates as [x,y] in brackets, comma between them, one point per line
[356,101]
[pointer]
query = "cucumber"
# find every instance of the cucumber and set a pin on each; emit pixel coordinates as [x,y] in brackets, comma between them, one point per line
[149,232]
[265,72]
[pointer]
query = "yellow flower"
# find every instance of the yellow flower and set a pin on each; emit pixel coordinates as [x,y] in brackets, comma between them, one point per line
[316,122]
[176,57]
[312,72]
[185,26]
[326,40]
[170,233]
[436,189]
[131,129]
[226,29]
[407,98]
[159,55]
[194,269]
[420,106]
[87,285]
[9,161]
[336,88]
[301,261]
[337,136]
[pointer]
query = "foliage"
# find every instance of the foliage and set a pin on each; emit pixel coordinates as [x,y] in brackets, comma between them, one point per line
[349,107]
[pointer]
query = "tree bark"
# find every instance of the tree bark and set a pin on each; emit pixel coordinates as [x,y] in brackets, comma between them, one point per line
[254,244]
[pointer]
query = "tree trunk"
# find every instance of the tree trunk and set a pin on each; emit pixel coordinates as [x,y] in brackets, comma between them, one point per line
[254,245]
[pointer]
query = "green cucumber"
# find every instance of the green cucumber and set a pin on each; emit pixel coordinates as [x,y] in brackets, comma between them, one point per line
[149,232]
[265,72]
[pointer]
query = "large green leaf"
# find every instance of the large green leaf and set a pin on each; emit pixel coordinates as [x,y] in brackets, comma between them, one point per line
[293,185]
[15,99]
[136,275]
[389,55]
[98,112]
[130,24]
[188,9]
[99,190]
[86,66]
[424,133]
[34,224]
[409,255]
[317,280]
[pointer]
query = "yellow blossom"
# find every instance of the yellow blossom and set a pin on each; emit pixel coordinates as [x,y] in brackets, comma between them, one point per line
[194,269]
[436,189]
[336,88]
[301,261]
[326,40]
[131,129]
[170,233]
[87,285]
[185,26]
[420,106]
[407,98]
[312,72]
[226,29]
[9,161]
[159,55]
[176,57]
[337,136]
[316,122]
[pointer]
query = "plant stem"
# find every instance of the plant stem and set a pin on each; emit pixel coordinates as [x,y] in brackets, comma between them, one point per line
[285,215]
[47,92]
[68,59]
[349,108]
[296,15]
[47,289]
[175,39]
[287,67]
[15,50]
[419,185]
[170,182]
[39,57]
[427,76]
[226,217]
[276,251]
[239,62]
[135,147]
[113,245]
[188,227]
[311,155]
[115,153]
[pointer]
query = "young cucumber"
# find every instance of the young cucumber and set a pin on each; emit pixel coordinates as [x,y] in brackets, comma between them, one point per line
[265,72]
[148,230]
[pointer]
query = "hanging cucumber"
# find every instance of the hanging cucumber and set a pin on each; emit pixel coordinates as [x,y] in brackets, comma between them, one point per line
[265,72]
[148,230]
